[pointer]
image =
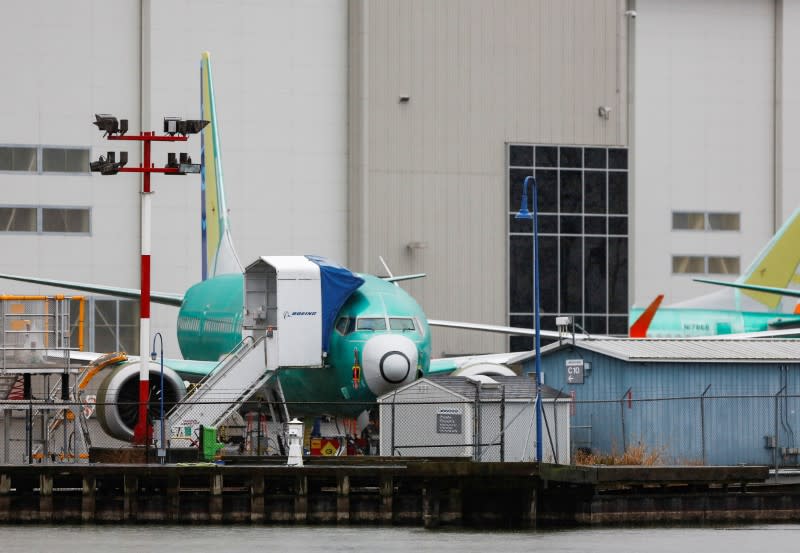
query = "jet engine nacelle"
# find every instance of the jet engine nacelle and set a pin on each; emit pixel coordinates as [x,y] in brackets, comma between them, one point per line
[118,397]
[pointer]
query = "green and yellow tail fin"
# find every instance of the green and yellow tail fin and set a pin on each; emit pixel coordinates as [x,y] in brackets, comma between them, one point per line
[218,255]
[777,263]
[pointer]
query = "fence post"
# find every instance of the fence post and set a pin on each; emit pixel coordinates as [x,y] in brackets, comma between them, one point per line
[393,400]
[777,440]
[503,425]
[703,423]
[622,412]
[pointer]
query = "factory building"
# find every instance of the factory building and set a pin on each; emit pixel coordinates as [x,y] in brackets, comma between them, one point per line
[659,131]
[712,402]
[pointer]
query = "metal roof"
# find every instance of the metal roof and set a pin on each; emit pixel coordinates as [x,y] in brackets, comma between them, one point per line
[516,387]
[661,350]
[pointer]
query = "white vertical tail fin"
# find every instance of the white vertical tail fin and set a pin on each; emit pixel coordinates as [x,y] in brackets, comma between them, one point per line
[218,255]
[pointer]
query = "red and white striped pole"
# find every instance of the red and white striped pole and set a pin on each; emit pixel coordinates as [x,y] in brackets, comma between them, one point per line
[142,432]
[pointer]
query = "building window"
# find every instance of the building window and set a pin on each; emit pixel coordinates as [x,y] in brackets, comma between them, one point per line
[18,158]
[699,265]
[65,219]
[18,219]
[683,220]
[65,160]
[583,237]
[44,159]
[111,324]
[59,220]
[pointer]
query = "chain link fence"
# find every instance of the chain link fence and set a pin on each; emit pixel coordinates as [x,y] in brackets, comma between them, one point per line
[699,430]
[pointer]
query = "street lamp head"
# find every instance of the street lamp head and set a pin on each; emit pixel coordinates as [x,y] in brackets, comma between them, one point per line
[153,355]
[523,210]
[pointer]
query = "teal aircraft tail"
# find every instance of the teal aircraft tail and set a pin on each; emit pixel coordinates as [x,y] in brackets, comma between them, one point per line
[218,254]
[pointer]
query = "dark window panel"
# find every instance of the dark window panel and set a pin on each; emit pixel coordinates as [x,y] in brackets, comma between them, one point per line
[547,190]
[521,321]
[546,156]
[618,275]
[617,158]
[618,326]
[548,224]
[520,156]
[571,192]
[571,224]
[594,270]
[595,324]
[520,343]
[570,157]
[571,275]
[618,225]
[594,195]
[520,261]
[594,225]
[618,192]
[548,285]
[594,158]
[519,225]
[515,179]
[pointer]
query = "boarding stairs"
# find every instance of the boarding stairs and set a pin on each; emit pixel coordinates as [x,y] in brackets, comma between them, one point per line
[235,380]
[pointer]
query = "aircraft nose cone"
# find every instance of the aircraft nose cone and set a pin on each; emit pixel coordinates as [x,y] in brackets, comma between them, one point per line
[395,366]
[387,362]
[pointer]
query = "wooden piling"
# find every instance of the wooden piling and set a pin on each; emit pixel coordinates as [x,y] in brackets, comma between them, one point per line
[46,497]
[88,498]
[342,499]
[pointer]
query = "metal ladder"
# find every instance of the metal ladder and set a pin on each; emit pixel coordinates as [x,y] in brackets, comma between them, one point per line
[237,377]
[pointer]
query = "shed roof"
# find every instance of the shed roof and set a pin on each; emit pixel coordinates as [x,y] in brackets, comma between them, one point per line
[516,387]
[661,350]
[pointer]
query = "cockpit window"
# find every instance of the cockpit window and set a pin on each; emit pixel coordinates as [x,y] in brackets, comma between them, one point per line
[371,323]
[404,324]
[345,325]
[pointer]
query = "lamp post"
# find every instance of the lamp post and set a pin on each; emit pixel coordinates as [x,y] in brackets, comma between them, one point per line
[525,214]
[162,452]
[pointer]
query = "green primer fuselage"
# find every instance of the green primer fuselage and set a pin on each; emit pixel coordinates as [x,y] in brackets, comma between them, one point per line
[210,326]
[683,322]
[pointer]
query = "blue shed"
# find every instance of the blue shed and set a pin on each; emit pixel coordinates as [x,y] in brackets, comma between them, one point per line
[688,401]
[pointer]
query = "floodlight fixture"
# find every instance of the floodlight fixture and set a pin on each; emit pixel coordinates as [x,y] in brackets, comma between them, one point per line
[171,125]
[107,123]
[123,126]
[123,157]
[187,166]
[191,126]
[172,161]
[97,166]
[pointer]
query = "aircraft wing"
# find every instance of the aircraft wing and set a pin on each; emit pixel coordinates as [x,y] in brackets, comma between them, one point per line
[513,330]
[187,369]
[754,287]
[130,293]
[447,365]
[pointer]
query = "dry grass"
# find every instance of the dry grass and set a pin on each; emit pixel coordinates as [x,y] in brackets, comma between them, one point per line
[633,455]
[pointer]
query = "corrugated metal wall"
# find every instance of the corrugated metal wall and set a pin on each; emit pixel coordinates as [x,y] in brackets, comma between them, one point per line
[431,170]
[668,413]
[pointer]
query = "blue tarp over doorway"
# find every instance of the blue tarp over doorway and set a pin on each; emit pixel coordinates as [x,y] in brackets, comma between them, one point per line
[336,285]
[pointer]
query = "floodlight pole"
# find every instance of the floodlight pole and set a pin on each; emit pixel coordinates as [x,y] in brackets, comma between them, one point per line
[142,432]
